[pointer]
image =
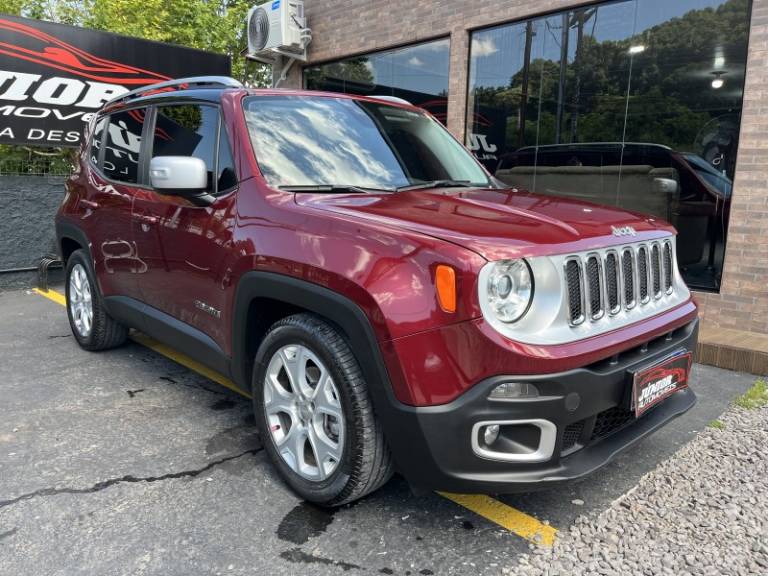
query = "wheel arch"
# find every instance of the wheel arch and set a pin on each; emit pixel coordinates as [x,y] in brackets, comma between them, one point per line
[287,295]
[70,238]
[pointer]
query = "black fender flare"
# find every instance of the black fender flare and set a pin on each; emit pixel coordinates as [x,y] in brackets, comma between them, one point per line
[332,306]
[66,229]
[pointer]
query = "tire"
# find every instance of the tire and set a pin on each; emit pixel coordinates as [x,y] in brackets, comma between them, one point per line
[361,462]
[97,330]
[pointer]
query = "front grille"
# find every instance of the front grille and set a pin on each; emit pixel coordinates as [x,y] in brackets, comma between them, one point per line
[615,280]
[571,434]
[575,295]
[610,421]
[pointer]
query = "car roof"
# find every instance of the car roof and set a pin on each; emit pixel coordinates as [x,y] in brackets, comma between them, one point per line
[214,95]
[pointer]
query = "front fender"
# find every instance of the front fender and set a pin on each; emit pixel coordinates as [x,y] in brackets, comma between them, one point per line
[353,323]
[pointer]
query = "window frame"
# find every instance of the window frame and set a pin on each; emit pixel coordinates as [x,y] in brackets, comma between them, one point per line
[223,127]
[149,149]
[92,137]
[140,180]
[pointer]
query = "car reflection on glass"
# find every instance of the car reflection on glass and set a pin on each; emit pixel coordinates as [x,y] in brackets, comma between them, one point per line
[681,187]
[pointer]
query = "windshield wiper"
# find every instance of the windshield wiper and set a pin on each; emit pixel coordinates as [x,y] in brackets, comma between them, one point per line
[333,188]
[436,184]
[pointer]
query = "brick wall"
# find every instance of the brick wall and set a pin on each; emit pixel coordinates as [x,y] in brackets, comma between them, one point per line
[743,300]
[347,27]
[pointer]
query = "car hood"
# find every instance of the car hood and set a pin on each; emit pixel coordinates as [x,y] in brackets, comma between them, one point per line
[497,223]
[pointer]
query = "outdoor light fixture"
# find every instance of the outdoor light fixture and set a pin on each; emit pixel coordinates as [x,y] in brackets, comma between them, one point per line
[718,81]
[636,49]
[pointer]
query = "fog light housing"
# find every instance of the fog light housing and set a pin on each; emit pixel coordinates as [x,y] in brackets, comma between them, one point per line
[514,391]
[490,434]
[528,440]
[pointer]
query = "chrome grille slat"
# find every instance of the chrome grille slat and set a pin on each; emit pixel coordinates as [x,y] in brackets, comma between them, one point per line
[667,263]
[628,277]
[594,286]
[642,274]
[575,286]
[612,282]
[656,269]
[606,282]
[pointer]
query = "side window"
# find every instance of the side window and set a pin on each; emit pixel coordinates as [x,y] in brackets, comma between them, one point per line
[121,155]
[188,130]
[227,177]
[96,137]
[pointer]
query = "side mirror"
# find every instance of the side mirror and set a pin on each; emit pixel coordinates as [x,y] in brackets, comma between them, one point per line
[180,175]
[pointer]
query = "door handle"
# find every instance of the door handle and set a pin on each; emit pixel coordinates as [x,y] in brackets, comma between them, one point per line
[145,218]
[89,203]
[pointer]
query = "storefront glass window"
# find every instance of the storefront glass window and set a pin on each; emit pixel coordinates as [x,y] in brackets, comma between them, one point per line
[417,73]
[634,103]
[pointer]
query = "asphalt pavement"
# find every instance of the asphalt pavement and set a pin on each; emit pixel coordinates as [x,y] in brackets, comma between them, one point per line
[125,462]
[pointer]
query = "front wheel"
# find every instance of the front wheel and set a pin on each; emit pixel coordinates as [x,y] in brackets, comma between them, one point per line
[315,415]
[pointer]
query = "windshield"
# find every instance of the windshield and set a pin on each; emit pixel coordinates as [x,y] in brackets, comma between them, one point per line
[326,141]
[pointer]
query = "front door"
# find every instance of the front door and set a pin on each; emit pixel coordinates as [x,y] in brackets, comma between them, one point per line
[192,243]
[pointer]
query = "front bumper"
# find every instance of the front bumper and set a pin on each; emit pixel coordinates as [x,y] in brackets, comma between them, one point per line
[433,445]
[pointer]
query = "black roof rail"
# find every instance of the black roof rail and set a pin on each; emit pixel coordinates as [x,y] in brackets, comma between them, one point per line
[182,83]
[395,99]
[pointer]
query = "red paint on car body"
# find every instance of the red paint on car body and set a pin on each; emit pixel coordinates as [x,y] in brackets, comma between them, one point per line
[378,250]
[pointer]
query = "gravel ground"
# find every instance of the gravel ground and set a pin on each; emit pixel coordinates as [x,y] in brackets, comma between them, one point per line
[704,511]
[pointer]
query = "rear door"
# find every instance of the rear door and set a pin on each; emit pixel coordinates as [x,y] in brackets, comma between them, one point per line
[113,183]
[195,242]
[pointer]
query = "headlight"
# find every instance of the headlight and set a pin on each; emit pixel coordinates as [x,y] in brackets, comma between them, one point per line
[509,289]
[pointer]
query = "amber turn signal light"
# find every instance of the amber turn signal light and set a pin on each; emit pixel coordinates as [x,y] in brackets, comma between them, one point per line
[445,282]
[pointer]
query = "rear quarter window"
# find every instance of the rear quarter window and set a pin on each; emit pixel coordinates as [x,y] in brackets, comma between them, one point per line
[123,145]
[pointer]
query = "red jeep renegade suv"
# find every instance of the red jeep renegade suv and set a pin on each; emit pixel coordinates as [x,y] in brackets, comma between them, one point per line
[388,304]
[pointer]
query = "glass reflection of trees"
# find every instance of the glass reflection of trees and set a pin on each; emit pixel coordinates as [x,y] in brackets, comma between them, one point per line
[417,73]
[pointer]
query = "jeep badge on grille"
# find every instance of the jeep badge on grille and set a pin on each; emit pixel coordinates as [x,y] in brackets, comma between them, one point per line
[623,231]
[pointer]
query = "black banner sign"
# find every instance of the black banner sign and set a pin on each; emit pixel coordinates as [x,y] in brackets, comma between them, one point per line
[54,77]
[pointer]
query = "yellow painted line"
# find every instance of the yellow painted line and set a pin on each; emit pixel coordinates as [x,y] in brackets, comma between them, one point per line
[161,349]
[52,295]
[507,517]
[510,518]
[186,361]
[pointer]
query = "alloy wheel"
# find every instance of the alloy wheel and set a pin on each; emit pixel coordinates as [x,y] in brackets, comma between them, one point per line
[303,412]
[80,300]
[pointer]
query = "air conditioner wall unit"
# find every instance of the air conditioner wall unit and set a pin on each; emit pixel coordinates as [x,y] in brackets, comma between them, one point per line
[277,28]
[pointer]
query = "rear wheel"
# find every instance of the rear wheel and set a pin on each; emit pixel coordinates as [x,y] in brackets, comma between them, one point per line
[92,327]
[315,415]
